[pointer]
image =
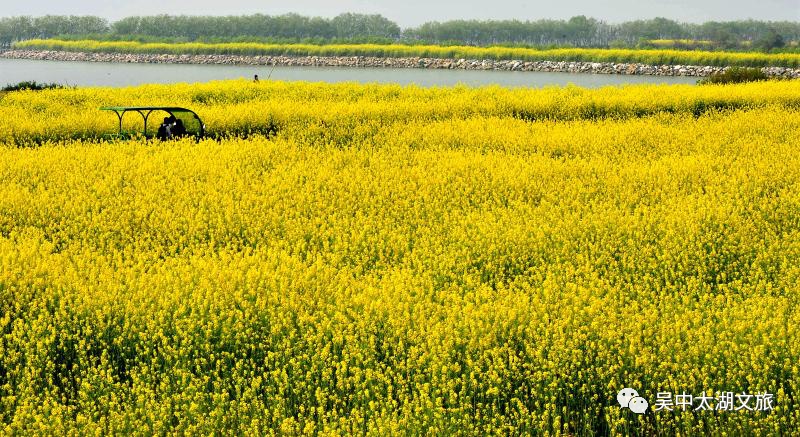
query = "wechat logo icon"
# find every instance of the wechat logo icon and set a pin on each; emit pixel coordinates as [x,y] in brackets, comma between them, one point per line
[629,398]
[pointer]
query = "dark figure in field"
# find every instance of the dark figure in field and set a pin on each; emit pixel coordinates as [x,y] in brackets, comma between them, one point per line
[164,130]
[255,79]
[178,130]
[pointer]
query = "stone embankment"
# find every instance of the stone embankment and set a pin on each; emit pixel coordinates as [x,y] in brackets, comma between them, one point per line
[379,62]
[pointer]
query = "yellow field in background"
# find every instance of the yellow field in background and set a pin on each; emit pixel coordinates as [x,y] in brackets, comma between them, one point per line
[344,113]
[393,260]
[645,56]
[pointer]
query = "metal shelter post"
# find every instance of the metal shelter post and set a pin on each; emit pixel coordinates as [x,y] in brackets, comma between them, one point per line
[145,117]
[119,116]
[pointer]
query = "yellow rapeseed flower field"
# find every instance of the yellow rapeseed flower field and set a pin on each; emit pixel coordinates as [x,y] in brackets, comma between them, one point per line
[385,260]
[658,56]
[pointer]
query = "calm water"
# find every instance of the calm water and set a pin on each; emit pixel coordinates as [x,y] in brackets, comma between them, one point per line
[114,74]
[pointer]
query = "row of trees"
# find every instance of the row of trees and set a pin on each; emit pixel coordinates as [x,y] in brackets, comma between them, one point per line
[19,28]
[581,31]
[578,31]
[346,26]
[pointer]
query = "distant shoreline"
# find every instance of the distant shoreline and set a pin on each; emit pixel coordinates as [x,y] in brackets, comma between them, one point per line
[387,62]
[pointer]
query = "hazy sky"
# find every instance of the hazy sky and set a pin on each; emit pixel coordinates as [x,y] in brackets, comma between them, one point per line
[414,12]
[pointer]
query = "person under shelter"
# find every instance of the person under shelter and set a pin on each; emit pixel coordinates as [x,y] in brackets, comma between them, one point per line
[164,130]
[178,129]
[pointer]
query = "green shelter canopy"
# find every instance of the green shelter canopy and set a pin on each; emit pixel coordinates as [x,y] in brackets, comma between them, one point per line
[191,121]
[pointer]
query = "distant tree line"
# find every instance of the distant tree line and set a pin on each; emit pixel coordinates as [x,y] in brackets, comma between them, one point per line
[579,31]
[344,26]
[20,28]
[192,28]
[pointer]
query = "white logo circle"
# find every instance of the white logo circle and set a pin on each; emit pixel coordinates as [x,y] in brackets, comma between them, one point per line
[625,395]
[638,405]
